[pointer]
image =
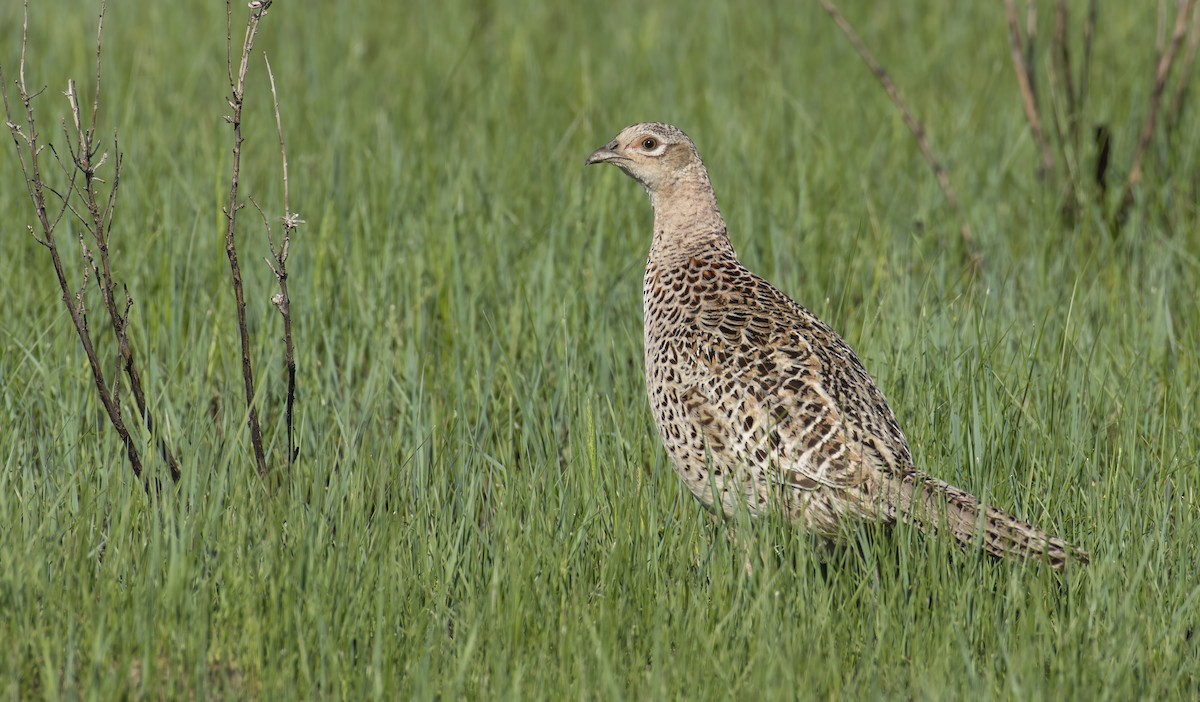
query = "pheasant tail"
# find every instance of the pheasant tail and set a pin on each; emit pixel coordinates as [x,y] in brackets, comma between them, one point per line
[932,504]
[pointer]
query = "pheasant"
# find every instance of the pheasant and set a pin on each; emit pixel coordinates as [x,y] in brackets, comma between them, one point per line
[761,405]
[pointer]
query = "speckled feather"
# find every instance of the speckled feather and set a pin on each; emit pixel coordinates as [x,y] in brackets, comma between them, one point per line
[759,403]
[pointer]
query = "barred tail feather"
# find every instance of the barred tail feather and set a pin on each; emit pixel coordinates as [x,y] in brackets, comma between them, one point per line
[932,505]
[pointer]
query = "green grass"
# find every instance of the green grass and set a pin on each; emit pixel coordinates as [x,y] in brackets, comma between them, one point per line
[482,508]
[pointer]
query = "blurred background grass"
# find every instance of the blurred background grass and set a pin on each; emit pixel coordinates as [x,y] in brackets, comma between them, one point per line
[481,507]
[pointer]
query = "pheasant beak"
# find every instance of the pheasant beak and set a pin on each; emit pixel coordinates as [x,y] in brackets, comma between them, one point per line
[604,154]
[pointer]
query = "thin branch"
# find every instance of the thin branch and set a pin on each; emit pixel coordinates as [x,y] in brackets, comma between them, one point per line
[1147,133]
[279,131]
[100,226]
[282,301]
[258,8]
[229,40]
[27,143]
[96,98]
[71,174]
[918,131]
[1185,73]
[1026,87]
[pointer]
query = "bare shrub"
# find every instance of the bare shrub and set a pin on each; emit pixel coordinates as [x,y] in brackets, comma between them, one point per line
[92,201]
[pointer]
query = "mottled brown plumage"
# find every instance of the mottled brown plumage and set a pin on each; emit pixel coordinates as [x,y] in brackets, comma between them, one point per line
[760,404]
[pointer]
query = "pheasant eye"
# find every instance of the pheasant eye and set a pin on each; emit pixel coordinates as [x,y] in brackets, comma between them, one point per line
[649,144]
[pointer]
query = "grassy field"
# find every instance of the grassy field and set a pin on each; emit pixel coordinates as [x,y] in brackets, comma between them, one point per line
[482,508]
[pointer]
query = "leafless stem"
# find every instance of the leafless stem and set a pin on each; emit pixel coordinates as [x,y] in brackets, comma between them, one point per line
[282,301]
[1185,73]
[1163,71]
[71,175]
[29,150]
[99,226]
[1026,87]
[278,131]
[1065,108]
[258,8]
[918,131]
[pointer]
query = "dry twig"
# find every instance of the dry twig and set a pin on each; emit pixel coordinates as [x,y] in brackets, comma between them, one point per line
[1024,82]
[1185,73]
[918,131]
[96,218]
[1064,112]
[99,225]
[1161,73]
[237,86]
[282,301]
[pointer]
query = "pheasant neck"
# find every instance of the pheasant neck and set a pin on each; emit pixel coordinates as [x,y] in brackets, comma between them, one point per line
[687,222]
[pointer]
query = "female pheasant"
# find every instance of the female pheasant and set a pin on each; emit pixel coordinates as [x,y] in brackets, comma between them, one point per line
[760,404]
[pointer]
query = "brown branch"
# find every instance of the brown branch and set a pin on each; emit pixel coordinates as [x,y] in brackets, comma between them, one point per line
[918,131]
[1161,74]
[99,226]
[28,144]
[282,301]
[91,133]
[258,8]
[1185,74]
[71,174]
[1026,87]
